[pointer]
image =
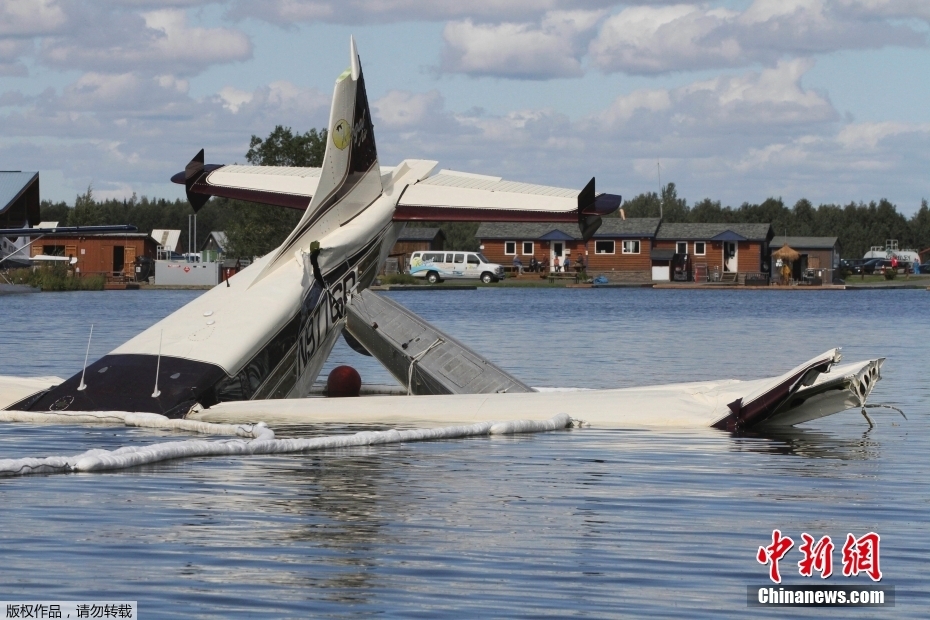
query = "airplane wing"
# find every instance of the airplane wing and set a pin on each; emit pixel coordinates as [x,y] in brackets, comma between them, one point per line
[282,186]
[459,196]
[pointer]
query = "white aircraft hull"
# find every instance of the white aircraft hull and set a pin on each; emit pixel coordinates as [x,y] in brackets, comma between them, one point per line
[684,405]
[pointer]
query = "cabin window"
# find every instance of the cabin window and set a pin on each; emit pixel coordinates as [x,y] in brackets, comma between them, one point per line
[681,247]
[700,248]
[510,248]
[631,246]
[527,248]
[604,247]
[53,250]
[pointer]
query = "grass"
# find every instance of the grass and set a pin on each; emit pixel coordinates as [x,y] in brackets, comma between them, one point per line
[55,278]
[877,278]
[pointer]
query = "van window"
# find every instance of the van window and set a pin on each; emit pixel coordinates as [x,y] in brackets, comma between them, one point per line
[483,259]
[432,257]
[460,258]
[473,259]
[448,258]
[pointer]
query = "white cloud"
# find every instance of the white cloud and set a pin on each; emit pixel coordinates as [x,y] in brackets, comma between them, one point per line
[25,19]
[719,114]
[288,12]
[652,40]
[123,131]
[400,110]
[520,50]
[155,42]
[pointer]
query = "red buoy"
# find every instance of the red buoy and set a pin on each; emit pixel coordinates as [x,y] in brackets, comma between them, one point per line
[343,381]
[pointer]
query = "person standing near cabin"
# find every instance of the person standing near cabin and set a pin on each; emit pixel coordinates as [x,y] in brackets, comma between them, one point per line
[556,265]
[568,263]
[580,265]
[517,265]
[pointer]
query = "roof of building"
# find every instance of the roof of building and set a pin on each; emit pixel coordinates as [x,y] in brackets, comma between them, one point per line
[218,236]
[717,232]
[168,239]
[805,243]
[419,234]
[12,186]
[611,227]
[98,235]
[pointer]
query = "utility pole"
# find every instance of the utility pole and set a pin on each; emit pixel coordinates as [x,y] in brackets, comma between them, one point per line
[659,172]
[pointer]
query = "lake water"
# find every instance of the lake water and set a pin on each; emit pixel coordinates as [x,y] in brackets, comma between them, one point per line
[586,522]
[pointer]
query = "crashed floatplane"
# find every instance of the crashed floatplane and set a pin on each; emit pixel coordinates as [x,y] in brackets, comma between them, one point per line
[252,348]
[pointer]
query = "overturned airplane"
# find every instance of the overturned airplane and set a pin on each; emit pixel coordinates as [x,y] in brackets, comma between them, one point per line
[253,348]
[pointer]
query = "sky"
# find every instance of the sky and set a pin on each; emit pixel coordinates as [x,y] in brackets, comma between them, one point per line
[736,100]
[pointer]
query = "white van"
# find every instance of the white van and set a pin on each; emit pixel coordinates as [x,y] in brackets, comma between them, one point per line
[436,266]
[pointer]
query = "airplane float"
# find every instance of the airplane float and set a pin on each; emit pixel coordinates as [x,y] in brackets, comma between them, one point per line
[252,348]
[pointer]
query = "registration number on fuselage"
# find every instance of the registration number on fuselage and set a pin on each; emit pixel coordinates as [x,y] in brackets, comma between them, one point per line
[330,309]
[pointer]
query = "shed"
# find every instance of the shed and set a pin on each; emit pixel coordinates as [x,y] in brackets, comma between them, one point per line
[413,239]
[820,255]
[213,248]
[109,254]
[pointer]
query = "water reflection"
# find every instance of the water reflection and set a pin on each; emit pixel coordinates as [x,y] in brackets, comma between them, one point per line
[809,443]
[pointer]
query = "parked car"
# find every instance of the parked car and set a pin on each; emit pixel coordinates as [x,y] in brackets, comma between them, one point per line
[875,265]
[851,266]
[436,266]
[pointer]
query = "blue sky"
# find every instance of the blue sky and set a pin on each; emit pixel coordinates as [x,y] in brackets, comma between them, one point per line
[738,101]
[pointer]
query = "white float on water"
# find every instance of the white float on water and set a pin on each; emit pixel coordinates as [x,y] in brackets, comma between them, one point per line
[260,440]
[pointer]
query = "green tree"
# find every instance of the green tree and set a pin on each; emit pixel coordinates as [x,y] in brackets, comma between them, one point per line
[283,147]
[254,229]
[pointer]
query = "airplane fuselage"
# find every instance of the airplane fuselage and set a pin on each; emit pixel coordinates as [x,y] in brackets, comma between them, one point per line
[248,338]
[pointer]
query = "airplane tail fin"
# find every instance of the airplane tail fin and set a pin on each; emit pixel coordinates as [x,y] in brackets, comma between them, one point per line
[351,177]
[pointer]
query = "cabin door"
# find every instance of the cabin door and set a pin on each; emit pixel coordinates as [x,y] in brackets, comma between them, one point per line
[129,259]
[729,257]
[558,251]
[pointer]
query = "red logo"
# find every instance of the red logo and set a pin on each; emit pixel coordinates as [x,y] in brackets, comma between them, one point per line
[773,553]
[186,269]
[860,555]
[819,556]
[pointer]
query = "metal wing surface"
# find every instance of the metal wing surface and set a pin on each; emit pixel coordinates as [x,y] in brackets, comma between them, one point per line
[460,196]
[282,186]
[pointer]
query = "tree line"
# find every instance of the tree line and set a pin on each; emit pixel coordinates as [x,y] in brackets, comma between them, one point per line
[858,225]
[255,229]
